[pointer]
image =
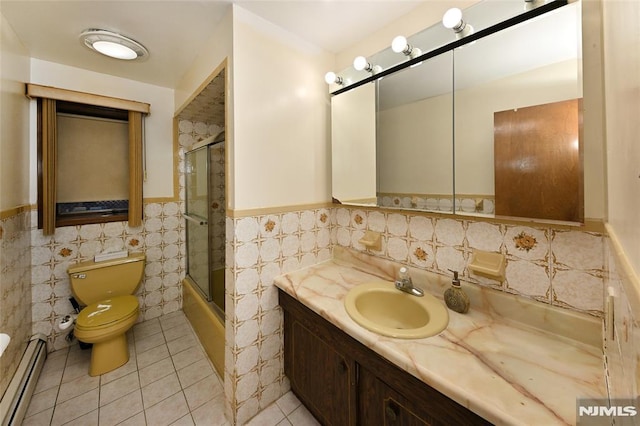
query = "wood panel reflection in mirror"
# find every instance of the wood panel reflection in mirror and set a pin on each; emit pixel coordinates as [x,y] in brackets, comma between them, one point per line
[538,171]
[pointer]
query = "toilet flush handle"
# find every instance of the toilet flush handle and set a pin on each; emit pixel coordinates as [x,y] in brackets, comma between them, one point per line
[80,276]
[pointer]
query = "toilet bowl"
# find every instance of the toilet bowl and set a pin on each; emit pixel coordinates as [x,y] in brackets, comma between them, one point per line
[104,324]
[107,288]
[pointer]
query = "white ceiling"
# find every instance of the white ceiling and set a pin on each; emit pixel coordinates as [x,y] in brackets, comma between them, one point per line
[175,31]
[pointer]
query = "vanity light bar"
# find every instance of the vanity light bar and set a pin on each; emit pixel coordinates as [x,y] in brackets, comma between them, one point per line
[460,41]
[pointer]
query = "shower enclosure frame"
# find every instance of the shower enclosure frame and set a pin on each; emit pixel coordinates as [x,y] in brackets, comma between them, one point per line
[198,220]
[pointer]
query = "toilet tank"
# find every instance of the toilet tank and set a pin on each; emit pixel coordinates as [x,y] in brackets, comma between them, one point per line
[94,281]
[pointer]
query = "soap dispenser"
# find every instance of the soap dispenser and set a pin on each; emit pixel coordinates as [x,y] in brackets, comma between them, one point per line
[455,297]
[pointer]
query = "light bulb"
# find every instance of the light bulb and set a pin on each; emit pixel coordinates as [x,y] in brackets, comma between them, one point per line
[452,18]
[360,63]
[330,77]
[399,44]
[115,50]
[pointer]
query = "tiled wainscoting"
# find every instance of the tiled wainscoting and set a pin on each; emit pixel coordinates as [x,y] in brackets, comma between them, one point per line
[555,266]
[622,338]
[161,238]
[263,247]
[15,291]
[559,266]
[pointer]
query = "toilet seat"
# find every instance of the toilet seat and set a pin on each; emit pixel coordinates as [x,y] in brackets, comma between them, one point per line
[106,313]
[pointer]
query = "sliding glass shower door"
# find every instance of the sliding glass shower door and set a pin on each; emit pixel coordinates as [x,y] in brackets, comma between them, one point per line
[197,215]
[205,221]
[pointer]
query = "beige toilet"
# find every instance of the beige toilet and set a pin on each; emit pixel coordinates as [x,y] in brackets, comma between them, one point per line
[107,288]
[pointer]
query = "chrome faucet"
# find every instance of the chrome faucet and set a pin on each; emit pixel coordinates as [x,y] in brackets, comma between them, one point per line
[404,283]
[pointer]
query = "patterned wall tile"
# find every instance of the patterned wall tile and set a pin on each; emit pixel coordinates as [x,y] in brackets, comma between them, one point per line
[563,276]
[578,270]
[15,291]
[485,236]
[622,339]
[527,243]
[159,293]
[528,279]
[421,228]
[578,290]
[264,247]
[449,232]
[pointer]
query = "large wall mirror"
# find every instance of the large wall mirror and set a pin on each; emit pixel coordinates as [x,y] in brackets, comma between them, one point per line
[415,135]
[489,128]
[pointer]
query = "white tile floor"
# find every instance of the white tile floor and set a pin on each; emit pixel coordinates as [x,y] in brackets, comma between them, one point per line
[167,381]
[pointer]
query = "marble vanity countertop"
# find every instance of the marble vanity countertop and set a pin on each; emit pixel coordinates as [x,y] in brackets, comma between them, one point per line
[507,370]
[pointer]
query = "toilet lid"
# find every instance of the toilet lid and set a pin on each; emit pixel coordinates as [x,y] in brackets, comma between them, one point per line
[107,312]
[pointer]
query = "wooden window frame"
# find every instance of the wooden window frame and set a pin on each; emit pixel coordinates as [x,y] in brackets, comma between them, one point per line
[47,151]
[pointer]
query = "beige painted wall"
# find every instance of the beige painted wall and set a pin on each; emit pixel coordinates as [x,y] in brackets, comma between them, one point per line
[353,145]
[158,124]
[622,85]
[14,121]
[593,111]
[415,147]
[15,255]
[219,47]
[281,117]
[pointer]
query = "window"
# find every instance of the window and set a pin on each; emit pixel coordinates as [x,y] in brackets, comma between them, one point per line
[89,158]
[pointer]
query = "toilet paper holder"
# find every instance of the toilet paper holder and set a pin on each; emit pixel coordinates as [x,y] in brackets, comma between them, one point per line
[66,322]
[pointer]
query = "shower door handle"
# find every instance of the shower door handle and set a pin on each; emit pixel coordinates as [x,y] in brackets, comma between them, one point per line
[197,220]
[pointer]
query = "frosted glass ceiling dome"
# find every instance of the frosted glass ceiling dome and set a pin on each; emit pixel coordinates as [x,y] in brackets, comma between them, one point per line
[113,44]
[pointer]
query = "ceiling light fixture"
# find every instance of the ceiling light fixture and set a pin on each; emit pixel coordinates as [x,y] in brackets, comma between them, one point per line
[400,45]
[113,44]
[452,19]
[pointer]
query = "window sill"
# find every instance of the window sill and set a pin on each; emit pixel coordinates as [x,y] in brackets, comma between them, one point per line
[86,219]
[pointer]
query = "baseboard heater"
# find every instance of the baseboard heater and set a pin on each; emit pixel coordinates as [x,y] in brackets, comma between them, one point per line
[16,398]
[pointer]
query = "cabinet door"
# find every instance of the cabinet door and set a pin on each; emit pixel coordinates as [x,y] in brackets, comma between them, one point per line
[322,377]
[380,404]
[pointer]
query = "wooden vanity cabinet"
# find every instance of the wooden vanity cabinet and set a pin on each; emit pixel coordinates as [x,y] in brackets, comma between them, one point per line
[342,382]
[322,377]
